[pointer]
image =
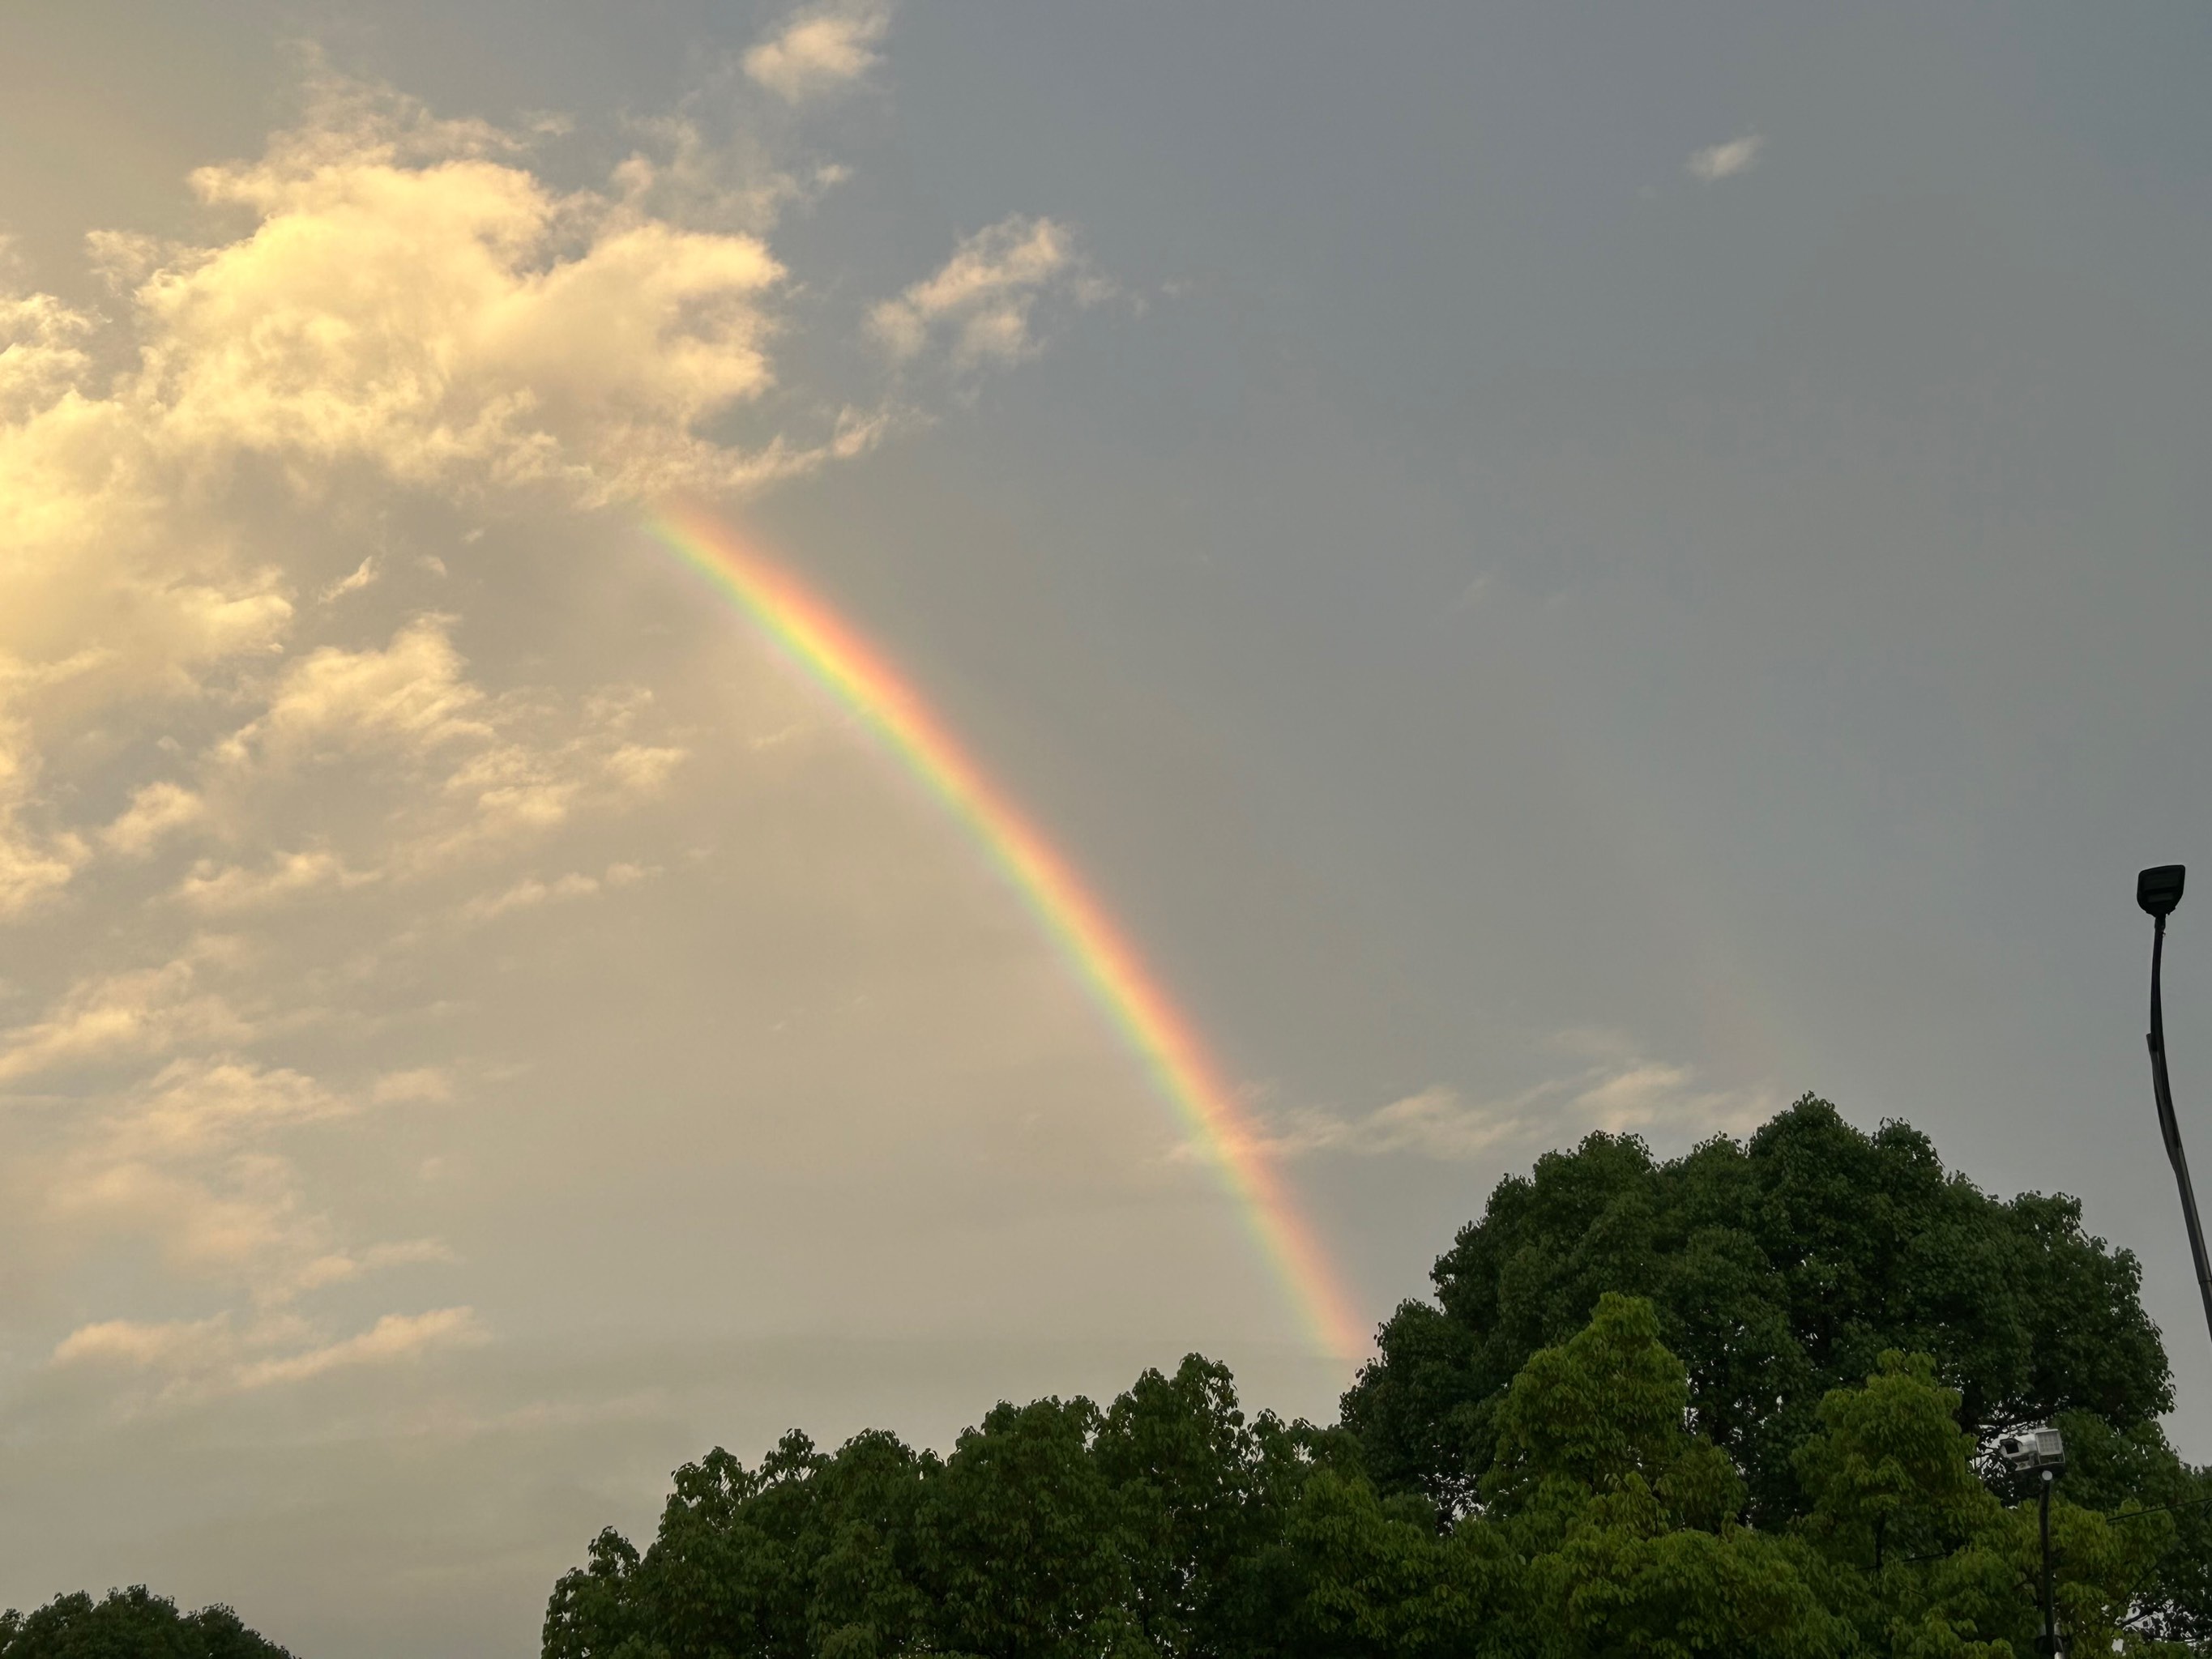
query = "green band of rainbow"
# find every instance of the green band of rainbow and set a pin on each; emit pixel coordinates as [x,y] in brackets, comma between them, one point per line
[859,674]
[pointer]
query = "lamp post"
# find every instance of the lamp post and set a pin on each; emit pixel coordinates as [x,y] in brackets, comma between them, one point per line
[2158,891]
[2041,1449]
[2049,1643]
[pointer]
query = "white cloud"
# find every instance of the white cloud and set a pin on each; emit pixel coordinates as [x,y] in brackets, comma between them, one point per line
[531,892]
[424,1083]
[199,1358]
[205,1104]
[641,769]
[397,320]
[126,1015]
[239,1220]
[31,865]
[1621,1096]
[985,296]
[212,888]
[478,773]
[156,810]
[140,1344]
[32,868]
[41,351]
[194,1162]
[528,893]
[365,572]
[1726,161]
[429,319]
[412,694]
[394,1339]
[819,50]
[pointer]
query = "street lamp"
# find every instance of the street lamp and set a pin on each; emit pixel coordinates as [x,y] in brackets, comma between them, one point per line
[2158,891]
[2042,1448]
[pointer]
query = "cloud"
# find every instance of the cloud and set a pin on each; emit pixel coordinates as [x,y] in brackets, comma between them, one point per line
[364,572]
[390,322]
[819,50]
[1621,1096]
[985,296]
[477,772]
[156,810]
[204,1104]
[31,865]
[125,1015]
[427,1083]
[199,1358]
[410,294]
[412,694]
[132,1342]
[407,296]
[194,1162]
[528,893]
[395,1339]
[420,318]
[1726,161]
[32,868]
[212,889]
[42,350]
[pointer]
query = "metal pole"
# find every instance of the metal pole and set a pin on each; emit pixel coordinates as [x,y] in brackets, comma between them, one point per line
[2171,1130]
[2050,1643]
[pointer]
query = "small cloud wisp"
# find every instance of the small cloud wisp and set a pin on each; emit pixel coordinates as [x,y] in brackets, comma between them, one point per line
[1717,162]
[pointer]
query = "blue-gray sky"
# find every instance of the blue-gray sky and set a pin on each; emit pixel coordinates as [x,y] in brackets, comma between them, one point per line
[1557,567]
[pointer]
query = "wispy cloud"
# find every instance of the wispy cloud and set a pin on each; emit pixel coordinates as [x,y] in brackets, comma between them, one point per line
[196,1358]
[504,769]
[529,893]
[1726,161]
[394,1339]
[983,302]
[1624,1095]
[156,810]
[365,572]
[129,1014]
[212,888]
[819,50]
[197,1162]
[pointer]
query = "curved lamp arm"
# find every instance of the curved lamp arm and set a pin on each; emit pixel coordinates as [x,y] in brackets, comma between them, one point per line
[2158,891]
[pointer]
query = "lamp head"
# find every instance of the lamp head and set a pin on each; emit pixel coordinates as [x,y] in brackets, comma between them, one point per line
[2041,1446]
[2158,889]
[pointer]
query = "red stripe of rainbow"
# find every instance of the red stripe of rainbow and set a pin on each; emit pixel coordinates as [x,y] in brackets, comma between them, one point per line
[853,669]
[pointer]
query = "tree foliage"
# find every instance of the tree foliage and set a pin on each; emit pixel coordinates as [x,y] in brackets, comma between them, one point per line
[1732,1405]
[1781,1268]
[1167,1525]
[129,1624]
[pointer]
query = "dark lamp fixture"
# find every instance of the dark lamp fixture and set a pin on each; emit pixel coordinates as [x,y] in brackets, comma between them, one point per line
[2038,1448]
[2158,889]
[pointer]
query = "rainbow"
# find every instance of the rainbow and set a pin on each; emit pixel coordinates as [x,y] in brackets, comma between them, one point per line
[859,675]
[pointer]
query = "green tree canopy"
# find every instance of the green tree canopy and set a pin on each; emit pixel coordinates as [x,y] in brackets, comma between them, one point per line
[1764,1440]
[1167,1526]
[129,1624]
[1781,1268]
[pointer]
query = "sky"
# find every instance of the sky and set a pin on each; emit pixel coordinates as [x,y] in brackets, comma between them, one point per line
[1550,567]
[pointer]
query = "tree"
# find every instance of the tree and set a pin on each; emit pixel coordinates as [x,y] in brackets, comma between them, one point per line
[1019,1547]
[1628,1523]
[1781,1268]
[129,1624]
[1051,1531]
[1939,1564]
[1652,1414]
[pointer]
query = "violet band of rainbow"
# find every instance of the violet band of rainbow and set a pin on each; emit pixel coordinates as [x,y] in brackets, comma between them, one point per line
[857,672]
